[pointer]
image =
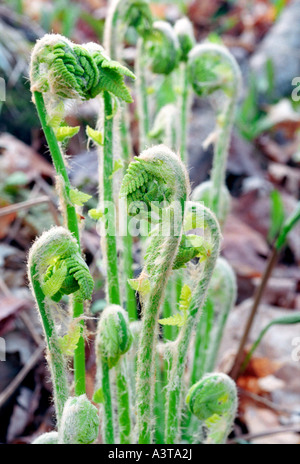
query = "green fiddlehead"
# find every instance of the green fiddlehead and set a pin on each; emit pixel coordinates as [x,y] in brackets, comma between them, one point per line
[213,400]
[180,348]
[157,174]
[212,68]
[80,422]
[162,48]
[71,71]
[49,272]
[121,15]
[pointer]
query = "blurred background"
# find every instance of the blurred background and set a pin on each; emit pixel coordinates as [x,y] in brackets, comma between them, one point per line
[264,158]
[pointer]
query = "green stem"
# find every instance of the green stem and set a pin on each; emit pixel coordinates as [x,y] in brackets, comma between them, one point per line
[106,182]
[146,354]
[108,411]
[159,403]
[220,155]
[184,112]
[174,389]
[123,402]
[112,36]
[202,342]
[72,224]
[142,97]
[55,357]
[127,239]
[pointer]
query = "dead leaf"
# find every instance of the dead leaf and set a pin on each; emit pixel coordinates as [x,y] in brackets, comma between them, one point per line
[243,247]
[17,156]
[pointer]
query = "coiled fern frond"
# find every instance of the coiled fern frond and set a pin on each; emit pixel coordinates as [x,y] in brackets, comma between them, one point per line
[60,267]
[163,48]
[72,71]
[151,178]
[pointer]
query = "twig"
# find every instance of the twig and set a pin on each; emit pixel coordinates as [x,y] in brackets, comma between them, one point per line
[28,204]
[12,387]
[257,298]
[266,402]
[265,433]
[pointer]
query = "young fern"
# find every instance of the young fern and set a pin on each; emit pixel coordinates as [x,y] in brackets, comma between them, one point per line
[59,71]
[180,348]
[156,175]
[212,68]
[55,267]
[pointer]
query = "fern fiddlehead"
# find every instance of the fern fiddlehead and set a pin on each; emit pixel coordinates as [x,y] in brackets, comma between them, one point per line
[61,70]
[156,174]
[174,388]
[211,68]
[54,261]
[80,422]
[213,400]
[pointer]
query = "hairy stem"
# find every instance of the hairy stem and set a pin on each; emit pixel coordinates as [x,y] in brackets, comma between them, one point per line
[106,196]
[55,357]
[142,97]
[123,402]
[108,411]
[184,114]
[127,239]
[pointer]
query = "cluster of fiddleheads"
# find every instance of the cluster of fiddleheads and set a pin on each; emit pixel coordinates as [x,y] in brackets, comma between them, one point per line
[156,181]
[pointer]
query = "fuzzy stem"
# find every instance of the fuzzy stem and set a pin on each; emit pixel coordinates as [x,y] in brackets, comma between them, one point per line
[108,411]
[159,403]
[146,353]
[142,97]
[184,111]
[127,239]
[165,166]
[220,155]
[72,224]
[106,182]
[174,389]
[202,342]
[123,402]
[111,39]
[55,357]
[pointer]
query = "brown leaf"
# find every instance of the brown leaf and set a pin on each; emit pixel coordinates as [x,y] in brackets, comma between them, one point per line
[17,156]
[244,248]
[9,306]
